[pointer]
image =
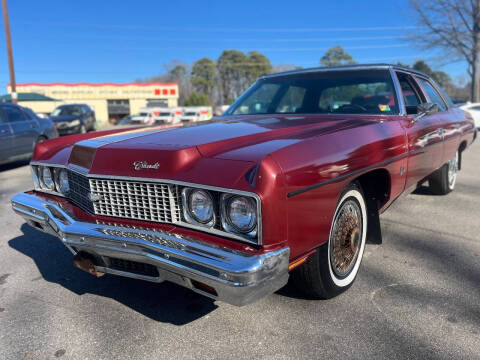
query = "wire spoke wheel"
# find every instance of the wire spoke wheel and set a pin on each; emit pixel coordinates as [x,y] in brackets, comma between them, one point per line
[452,171]
[346,238]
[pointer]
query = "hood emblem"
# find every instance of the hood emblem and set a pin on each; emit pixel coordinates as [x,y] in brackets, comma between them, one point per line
[139,165]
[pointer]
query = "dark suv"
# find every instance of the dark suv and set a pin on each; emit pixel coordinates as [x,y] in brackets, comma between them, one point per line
[20,131]
[73,119]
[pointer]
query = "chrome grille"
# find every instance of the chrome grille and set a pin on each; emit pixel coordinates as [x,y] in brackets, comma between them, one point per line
[136,200]
[79,191]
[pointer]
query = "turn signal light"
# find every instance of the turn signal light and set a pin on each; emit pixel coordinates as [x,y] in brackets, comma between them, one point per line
[204,287]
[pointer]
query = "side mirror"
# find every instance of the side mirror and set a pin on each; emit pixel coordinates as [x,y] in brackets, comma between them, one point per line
[425,109]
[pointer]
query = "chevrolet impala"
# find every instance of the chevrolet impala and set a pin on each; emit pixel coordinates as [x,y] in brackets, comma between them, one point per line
[289,181]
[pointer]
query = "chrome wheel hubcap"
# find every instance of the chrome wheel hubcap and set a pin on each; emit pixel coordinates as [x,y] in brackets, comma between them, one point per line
[346,238]
[452,171]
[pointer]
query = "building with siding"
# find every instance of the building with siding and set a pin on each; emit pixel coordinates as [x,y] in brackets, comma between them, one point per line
[110,101]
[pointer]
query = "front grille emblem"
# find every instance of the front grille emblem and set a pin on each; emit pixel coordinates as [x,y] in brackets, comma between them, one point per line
[94,197]
[139,165]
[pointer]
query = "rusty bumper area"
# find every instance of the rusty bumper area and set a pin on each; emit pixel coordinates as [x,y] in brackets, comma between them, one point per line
[224,274]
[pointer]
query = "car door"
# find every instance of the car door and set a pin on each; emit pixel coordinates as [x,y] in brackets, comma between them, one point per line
[424,134]
[91,118]
[24,130]
[446,116]
[5,139]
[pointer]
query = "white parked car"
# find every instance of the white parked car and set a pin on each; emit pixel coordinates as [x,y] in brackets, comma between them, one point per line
[474,110]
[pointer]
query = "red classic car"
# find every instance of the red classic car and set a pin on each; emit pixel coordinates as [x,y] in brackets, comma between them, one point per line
[292,176]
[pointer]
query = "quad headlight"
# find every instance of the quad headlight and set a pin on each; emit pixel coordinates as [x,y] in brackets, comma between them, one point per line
[229,214]
[61,181]
[198,207]
[46,178]
[239,212]
[51,179]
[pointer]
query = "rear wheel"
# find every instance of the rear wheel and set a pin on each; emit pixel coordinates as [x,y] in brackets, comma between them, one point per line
[334,266]
[442,181]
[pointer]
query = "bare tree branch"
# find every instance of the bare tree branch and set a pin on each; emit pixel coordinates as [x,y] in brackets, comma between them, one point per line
[453,26]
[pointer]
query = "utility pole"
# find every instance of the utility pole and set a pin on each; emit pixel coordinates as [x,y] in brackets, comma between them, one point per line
[13,85]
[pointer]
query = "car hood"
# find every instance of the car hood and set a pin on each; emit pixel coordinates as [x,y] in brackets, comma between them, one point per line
[63,118]
[247,139]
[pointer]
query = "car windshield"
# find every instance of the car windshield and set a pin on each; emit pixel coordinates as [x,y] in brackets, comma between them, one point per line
[67,110]
[322,92]
[190,113]
[165,114]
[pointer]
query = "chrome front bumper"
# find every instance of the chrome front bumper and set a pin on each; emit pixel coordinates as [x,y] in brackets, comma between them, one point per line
[238,278]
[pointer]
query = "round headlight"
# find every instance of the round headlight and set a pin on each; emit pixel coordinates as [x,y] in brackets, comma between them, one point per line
[62,181]
[200,206]
[241,213]
[47,178]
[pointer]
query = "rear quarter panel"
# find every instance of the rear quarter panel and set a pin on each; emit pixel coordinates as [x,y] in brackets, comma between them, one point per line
[317,170]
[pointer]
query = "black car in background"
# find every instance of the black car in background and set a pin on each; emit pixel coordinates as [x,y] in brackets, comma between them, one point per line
[73,119]
[20,130]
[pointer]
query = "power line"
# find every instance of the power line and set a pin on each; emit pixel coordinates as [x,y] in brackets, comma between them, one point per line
[217,40]
[289,49]
[220,29]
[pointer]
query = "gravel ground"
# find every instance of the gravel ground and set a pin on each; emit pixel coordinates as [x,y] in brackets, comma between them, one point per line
[416,296]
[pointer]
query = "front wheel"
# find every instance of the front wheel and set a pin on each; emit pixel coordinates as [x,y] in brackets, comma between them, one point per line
[442,181]
[334,266]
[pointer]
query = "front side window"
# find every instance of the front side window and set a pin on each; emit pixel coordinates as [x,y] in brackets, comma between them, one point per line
[324,92]
[433,95]
[14,114]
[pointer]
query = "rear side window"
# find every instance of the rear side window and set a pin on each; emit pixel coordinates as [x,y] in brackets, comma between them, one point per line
[14,114]
[433,95]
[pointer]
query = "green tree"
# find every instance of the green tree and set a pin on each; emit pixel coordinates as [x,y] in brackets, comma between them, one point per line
[196,99]
[179,73]
[442,78]
[204,76]
[231,70]
[336,56]
[258,65]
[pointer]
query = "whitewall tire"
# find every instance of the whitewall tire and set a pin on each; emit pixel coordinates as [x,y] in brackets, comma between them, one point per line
[333,268]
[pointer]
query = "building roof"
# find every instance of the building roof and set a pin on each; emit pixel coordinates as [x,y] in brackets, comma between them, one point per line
[96,84]
[26,97]
[346,67]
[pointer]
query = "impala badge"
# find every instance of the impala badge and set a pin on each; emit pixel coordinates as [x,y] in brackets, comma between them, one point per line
[139,165]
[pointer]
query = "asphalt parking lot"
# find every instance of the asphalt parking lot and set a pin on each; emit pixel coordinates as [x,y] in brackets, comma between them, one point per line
[417,296]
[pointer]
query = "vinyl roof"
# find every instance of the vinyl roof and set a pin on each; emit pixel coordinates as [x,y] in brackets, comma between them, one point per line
[344,68]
